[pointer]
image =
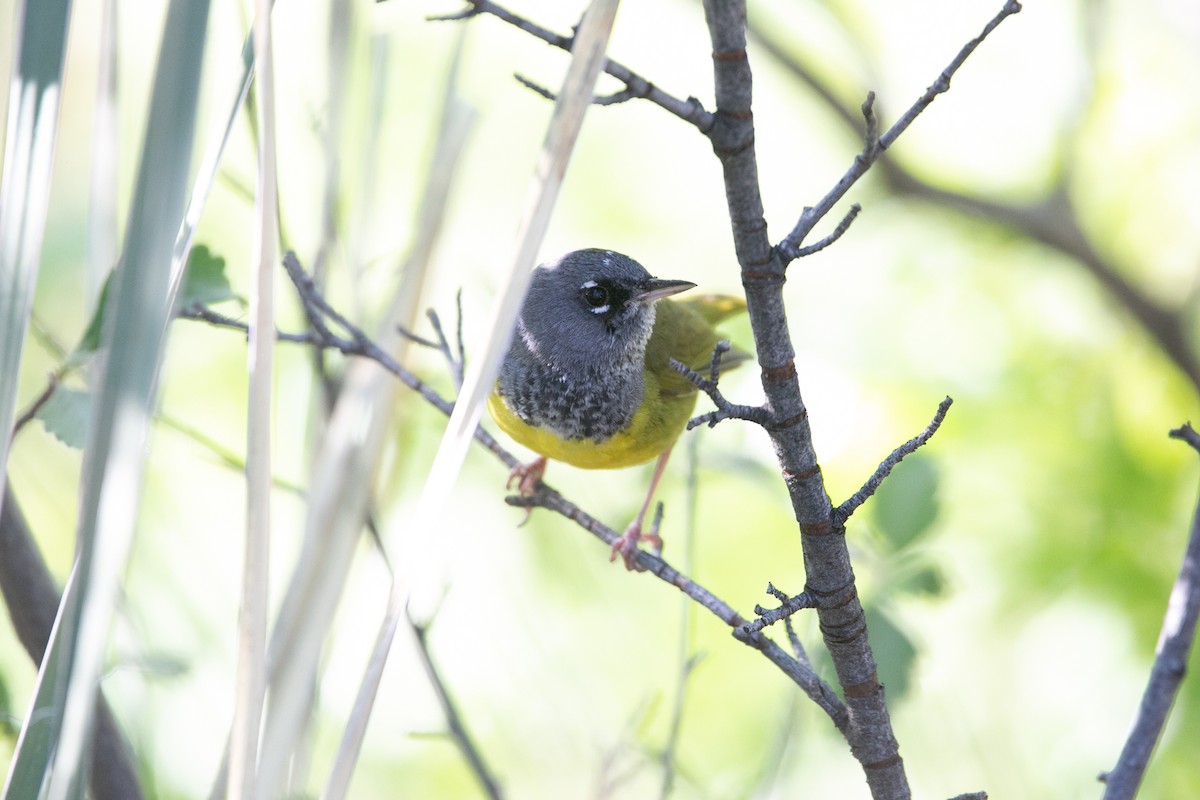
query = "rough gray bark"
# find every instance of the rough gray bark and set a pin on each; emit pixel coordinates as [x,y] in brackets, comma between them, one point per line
[830,577]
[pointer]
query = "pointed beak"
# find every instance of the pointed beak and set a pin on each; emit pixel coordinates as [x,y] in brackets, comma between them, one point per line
[654,290]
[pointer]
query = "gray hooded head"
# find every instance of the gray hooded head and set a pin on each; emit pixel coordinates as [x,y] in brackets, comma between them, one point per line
[578,352]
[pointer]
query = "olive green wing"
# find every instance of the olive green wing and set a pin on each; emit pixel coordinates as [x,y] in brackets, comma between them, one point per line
[684,330]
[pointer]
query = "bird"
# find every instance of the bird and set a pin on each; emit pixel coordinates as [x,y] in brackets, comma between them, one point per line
[587,378]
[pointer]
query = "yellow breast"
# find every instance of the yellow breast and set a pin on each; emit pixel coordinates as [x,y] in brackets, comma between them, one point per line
[683,331]
[655,425]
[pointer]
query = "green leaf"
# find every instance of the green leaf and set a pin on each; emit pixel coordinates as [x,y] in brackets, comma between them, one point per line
[926,580]
[67,416]
[894,652]
[90,342]
[906,504]
[204,280]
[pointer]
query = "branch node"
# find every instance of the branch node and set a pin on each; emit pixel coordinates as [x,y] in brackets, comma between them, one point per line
[1187,433]
[842,227]
[787,607]
[789,247]
[725,409]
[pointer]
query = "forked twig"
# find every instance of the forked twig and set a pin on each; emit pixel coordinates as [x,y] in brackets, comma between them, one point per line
[725,409]
[690,110]
[790,247]
[355,342]
[788,607]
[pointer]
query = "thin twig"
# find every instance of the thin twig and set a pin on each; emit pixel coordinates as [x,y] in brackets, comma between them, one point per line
[27,416]
[458,331]
[456,365]
[203,313]
[797,646]
[441,344]
[357,343]
[613,99]
[1051,221]
[801,674]
[843,512]
[689,110]
[841,228]
[789,247]
[458,732]
[725,409]
[1170,662]
[534,87]
[942,84]
[788,606]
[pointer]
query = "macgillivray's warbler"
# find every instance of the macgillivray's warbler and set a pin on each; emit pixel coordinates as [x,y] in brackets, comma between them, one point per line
[587,379]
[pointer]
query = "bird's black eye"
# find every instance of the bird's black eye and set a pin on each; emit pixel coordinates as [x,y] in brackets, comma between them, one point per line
[595,296]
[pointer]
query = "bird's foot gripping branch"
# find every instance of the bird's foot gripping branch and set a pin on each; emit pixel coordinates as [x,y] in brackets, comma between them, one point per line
[330,330]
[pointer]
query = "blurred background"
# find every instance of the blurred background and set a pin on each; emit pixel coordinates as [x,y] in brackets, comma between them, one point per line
[1031,251]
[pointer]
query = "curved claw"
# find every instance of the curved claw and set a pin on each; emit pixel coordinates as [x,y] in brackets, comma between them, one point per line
[626,544]
[528,476]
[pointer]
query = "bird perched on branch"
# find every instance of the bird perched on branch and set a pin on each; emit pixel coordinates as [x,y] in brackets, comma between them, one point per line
[587,379]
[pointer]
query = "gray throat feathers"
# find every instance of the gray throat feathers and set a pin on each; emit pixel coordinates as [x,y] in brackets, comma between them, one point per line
[588,400]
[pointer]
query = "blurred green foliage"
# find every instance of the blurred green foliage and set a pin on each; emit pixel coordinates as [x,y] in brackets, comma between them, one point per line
[1015,570]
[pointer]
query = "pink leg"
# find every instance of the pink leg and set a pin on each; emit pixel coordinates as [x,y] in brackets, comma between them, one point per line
[527,476]
[626,545]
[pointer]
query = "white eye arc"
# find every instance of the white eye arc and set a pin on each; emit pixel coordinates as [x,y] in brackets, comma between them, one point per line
[595,297]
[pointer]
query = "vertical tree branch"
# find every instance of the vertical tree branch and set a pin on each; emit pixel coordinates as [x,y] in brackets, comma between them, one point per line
[1170,663]
[826,559]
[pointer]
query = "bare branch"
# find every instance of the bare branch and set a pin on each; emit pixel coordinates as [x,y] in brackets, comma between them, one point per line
[788,607]
[725,409]
[1052,222]
[357,343]
[202,313]
[1170,662]
[789,248]
[841,228]
[942,84]
[690,110]
[458,732]
[843,512]
[613,99]
[536,88]
[29,413]
[455,363]
[800,673]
